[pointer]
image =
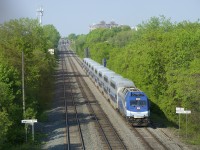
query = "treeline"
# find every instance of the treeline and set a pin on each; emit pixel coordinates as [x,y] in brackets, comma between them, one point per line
[163,60]
[34,40]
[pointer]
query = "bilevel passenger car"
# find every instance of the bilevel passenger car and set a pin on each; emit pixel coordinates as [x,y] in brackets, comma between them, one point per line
[101,78]
[106,83]
[122,93]
[98,75]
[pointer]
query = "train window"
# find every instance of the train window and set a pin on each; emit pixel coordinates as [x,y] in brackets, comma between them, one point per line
[137,95]
[112,85]
[142,103]
[138,103]
[125,91]
[106,79]
[133,103]
[100,75]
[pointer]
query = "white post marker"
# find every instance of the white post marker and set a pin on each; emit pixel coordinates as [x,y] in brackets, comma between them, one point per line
[179,111]
[30,121]
[187,112]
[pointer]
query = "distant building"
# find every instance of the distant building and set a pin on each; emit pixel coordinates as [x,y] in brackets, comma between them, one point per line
[103,24]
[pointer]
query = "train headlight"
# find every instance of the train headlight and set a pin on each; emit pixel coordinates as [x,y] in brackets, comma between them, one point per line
[138,107]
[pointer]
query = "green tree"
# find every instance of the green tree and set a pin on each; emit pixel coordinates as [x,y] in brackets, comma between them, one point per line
[51,35]
[5,123]
[6,105]
[34,40]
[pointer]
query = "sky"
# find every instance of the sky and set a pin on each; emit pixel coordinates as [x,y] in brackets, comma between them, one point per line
[75,16]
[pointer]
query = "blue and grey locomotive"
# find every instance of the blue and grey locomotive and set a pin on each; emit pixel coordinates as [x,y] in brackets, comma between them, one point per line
[122,93]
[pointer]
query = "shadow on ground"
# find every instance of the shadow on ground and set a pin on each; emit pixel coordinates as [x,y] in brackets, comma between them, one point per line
[158,119]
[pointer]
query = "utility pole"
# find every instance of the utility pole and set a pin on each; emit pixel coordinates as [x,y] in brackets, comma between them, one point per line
[23,92]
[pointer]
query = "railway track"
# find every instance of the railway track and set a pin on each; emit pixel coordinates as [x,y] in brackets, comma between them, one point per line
[149,140]
[109,136]
[74,137]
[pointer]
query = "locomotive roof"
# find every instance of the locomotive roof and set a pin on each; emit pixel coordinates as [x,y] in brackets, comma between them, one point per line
[133,90]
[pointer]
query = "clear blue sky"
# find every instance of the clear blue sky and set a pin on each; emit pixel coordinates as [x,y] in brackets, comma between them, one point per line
[75,16]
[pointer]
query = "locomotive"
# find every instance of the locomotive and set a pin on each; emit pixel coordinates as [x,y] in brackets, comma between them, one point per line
[123,95]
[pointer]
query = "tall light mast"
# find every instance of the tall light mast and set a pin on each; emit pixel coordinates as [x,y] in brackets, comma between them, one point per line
[40,12]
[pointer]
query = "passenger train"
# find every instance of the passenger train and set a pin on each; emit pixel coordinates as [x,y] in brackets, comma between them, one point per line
[122,93]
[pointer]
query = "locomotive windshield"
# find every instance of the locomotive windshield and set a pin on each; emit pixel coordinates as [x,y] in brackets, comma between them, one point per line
[138,103]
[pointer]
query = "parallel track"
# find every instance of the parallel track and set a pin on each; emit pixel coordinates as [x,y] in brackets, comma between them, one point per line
[73,128]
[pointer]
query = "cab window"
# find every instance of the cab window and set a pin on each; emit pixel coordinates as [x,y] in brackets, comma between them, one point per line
[138,103]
